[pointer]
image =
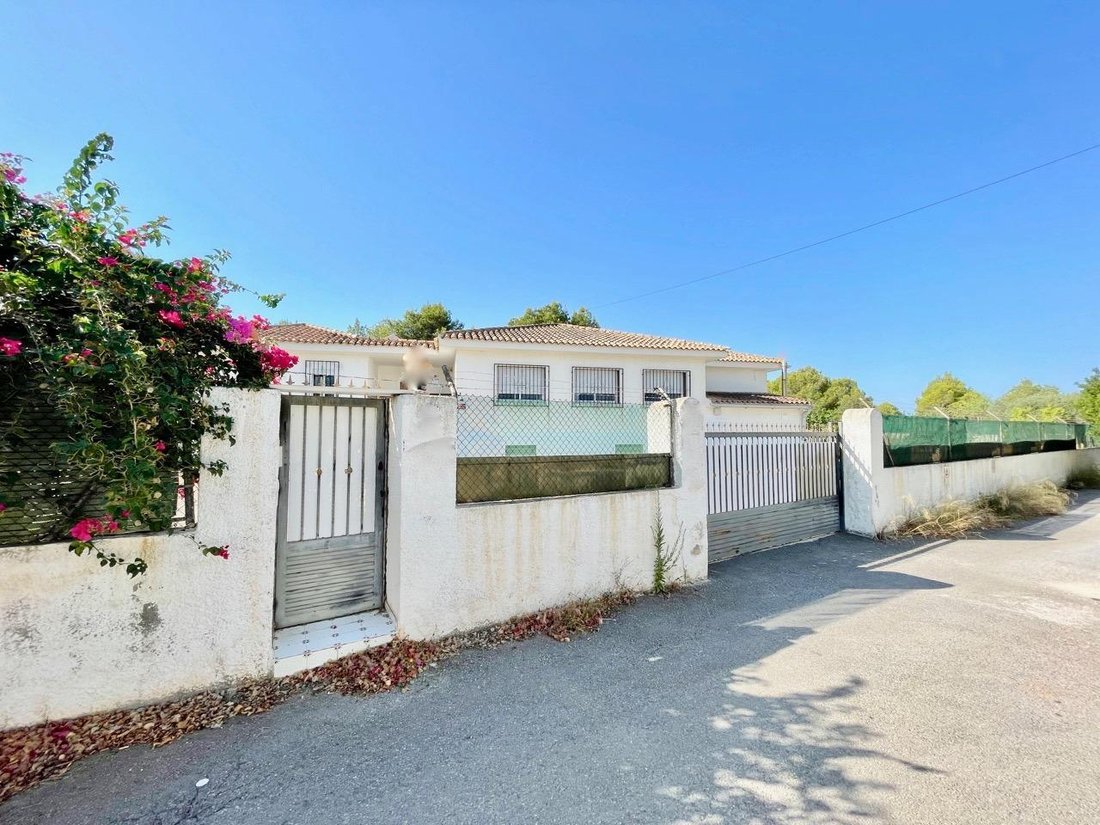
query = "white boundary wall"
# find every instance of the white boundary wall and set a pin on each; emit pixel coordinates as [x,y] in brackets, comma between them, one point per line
[878,498]
[76,638]
[457,567]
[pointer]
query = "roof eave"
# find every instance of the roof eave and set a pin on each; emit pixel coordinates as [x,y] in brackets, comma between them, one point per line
[769,365]
[471,343]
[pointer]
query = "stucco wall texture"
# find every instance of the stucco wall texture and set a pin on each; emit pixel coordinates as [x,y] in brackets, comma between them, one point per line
[457,567]
[878,498]
[76,638]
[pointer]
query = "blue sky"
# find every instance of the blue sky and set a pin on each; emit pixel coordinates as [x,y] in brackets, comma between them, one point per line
[365,158]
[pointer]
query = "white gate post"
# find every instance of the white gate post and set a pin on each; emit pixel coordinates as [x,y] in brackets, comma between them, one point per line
[422,529]
[864,472]
[689,478]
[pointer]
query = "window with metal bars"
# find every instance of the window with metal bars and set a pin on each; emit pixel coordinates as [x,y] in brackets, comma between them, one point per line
[520,384]
[322,373]
[676,383]
[597,385]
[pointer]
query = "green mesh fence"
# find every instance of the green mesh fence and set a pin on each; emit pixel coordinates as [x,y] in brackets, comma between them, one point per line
[518,449]
[919,440]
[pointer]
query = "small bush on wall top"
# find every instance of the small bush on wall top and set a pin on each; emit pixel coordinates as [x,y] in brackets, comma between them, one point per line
[121,348]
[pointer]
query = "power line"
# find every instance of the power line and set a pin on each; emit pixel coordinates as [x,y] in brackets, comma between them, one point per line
[863,228]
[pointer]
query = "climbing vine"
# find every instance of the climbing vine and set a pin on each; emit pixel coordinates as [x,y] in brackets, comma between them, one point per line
[121,348]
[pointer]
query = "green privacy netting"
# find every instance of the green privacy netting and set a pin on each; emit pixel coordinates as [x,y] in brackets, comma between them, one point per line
[919,440]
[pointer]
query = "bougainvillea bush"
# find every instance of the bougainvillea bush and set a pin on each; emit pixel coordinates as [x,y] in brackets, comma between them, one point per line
[108,354]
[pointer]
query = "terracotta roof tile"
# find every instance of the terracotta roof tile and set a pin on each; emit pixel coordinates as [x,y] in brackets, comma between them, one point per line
[756,398]
[573,335]
[310,334]
[750,358]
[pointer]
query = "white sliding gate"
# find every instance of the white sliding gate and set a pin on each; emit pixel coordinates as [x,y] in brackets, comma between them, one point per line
[331,538]
[770,489]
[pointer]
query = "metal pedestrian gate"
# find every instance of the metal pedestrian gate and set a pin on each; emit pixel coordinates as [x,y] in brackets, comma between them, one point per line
[766,490]
[331,532]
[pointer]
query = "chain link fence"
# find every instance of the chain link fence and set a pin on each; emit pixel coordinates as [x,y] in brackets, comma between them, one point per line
[43,496]
[514,448]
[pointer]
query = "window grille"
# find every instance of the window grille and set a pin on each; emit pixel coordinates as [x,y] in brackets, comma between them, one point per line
[675,383]
[597,385]
[322,373]
[520,383]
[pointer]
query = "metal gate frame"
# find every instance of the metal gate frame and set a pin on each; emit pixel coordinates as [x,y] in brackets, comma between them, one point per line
[770,489]
[337,542]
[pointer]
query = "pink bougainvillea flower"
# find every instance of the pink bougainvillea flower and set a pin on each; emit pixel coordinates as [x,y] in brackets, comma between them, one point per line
[84,529]
[195,265]
[169,293]
[131,237]
[111,526]
[82,215]
[3,507]
[240,330]
[10,347]
[107,260]
[160,446]
[11,174]
[276,361]
[84,353]
[223,552]
[171,317]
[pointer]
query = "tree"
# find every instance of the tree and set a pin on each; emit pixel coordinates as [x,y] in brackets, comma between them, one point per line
[952,396]
[829,397]
[357,327]
[423,324]
[886,408]
[554,313]
[582,317]
[1088,402]
[107,358]
[1029,400]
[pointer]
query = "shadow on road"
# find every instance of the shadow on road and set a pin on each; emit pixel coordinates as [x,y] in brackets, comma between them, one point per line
[665,691]
[783,758]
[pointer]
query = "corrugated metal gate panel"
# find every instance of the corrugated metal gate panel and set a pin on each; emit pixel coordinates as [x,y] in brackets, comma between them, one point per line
[770,489]
[762,528]
[330,550]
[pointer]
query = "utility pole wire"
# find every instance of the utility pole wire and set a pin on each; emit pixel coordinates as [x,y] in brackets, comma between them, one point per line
[863,228]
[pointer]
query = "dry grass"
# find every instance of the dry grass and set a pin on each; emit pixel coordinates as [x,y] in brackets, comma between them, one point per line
[31,755]
[958,519]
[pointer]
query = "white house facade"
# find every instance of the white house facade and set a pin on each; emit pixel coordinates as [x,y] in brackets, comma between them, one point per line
[543,363]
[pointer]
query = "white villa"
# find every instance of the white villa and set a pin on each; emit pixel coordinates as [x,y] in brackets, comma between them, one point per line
[586,366]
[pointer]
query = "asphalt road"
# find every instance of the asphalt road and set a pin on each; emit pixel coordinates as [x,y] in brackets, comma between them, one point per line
[832,682]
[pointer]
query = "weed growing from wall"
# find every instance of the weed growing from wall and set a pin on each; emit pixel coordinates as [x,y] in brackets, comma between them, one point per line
[665,557]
